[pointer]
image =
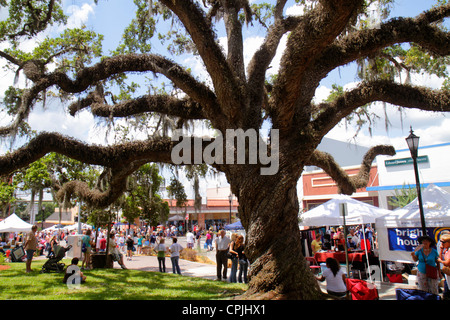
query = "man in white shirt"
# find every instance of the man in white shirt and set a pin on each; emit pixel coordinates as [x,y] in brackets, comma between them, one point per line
[190,239]
[175,250]
[221,243]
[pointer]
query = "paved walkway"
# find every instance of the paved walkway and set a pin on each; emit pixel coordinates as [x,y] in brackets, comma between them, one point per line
[386,291]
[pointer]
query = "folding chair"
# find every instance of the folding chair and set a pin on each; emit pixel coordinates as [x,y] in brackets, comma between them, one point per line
[415,294]
[313,265]
[361,290]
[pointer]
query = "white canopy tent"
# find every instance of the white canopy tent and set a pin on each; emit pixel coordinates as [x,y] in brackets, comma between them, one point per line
[398,232]
[176,218]
[328,213]
[72,227]
[14,224]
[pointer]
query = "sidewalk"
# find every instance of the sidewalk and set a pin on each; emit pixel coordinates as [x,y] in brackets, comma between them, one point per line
[386,291]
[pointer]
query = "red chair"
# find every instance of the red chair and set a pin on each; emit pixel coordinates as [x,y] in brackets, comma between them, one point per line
[361,290]
[313,265]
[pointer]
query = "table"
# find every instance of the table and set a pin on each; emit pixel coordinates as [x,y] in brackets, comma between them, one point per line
[340,256]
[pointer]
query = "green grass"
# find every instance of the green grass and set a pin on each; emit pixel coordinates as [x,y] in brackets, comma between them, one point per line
[110,284]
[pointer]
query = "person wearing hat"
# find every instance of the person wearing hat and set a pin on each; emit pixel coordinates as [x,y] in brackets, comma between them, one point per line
[429,274]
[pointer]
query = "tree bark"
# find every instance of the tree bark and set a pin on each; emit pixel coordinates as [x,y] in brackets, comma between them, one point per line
[273,241]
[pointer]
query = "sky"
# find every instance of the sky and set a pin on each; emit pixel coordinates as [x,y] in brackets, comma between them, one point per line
[110,17]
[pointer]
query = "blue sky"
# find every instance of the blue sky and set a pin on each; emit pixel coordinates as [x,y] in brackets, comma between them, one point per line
[111,17]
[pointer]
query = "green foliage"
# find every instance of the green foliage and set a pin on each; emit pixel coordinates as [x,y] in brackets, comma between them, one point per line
[136,37]
[403,196]
[7,194]
[29,17]
[142,197]
[176,190]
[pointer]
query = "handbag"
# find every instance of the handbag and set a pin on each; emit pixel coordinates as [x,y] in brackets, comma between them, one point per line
[430,271]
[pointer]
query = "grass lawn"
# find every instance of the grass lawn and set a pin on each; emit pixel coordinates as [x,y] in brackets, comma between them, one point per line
[110,284]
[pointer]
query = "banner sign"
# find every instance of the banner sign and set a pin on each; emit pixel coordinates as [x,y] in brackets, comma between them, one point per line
[404,161]
[405,239]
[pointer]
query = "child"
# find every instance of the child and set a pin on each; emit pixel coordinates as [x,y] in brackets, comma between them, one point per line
[68,274]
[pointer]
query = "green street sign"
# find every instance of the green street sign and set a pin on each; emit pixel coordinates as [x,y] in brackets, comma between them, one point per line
[405,161]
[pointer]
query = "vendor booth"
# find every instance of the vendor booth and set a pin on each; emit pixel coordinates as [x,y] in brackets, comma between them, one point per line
[328,214]
[14,224]
[398,232]
[331,214]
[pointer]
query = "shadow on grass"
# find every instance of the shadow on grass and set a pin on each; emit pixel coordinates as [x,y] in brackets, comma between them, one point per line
[111,284]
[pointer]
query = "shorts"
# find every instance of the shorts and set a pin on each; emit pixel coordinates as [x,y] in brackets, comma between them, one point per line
[116,256]
[30,254]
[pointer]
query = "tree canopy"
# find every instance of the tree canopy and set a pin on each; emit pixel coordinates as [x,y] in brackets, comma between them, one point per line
[235,94]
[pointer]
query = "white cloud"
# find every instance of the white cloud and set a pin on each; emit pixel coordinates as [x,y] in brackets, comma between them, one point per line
[78,16]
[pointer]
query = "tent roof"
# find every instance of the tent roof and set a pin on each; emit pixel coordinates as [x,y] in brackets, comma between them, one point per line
[14,224]
[234,226]
[328,213]
[436,207]
[176,218]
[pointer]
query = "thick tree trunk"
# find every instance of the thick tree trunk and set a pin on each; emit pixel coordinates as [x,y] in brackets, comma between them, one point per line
[269,212]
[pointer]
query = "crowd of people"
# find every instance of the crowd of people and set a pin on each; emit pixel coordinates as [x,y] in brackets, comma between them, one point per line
[432,260]
[126,244]
[358,238]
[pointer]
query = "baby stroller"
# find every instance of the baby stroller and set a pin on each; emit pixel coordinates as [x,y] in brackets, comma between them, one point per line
[53,263]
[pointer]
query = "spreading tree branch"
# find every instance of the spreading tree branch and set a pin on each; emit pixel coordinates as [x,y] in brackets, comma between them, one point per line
[315,32]
[408,96]
[362,43]
[171,106]
[229,89]
[349,184]
[103,70]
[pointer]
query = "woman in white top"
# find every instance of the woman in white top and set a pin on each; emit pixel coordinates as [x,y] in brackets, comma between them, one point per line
[335,278]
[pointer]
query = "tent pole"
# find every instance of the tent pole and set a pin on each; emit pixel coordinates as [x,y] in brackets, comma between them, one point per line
[367,255]
[343,209]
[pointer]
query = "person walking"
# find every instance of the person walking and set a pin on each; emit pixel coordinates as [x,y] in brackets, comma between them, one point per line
[243,261]
[175,250]
[30,246]
[233,255]
[190,239]
[222,243]
[86,249]
[130,245]
[161,254]
[429,273]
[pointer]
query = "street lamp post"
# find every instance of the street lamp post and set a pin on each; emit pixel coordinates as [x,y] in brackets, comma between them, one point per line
[230,198]
[413,144]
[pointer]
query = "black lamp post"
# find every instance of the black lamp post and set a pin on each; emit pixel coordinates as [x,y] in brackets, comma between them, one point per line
[413,144]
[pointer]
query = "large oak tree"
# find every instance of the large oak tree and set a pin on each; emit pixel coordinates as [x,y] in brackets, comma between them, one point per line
[330,34]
